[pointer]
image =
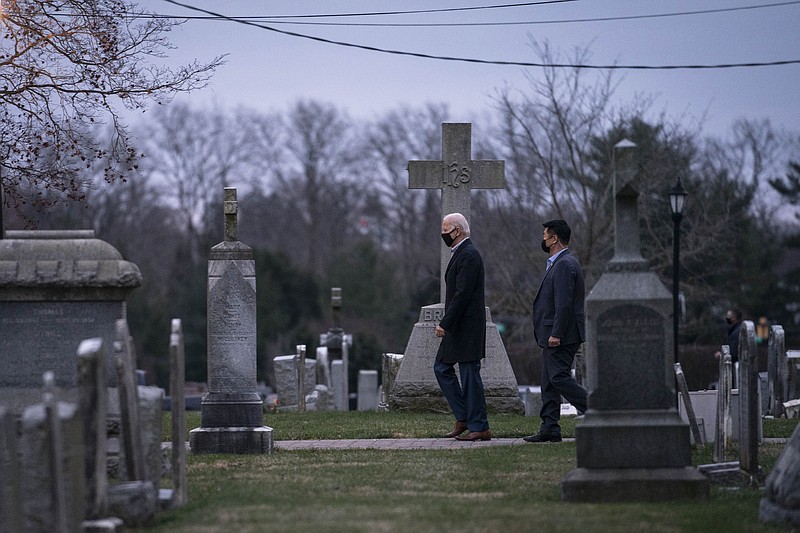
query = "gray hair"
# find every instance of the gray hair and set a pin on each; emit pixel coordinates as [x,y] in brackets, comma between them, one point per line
[458,221]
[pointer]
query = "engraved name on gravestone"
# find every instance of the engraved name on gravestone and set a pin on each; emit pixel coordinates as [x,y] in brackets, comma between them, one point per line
[631,337]
[44,329]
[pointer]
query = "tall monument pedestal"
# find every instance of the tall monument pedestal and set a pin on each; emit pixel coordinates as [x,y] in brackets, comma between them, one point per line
[632,444]
[231,413]
[416,388]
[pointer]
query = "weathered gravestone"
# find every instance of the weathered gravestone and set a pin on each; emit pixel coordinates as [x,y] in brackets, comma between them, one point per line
[231,411]
[390,365]
[56,289]
[91,361]
[749,412]
[777,370]
[632,444]
[341,402]
[287,378]
[178,494]
[10,490]
[781,501]
[336,344]
[724,426]
[792,375]
[415,387]
[367,390]
[52,466]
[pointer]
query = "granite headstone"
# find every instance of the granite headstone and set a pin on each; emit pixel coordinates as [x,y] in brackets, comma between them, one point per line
[57,288]
[632,444]
[232,410]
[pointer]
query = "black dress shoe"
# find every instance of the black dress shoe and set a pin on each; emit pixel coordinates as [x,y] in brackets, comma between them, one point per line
[543,437]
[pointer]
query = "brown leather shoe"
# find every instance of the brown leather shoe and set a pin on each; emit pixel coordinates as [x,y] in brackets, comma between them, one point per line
[460,428]
[476,435]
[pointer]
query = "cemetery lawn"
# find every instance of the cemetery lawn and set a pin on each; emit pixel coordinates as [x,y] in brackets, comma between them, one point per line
[497,488]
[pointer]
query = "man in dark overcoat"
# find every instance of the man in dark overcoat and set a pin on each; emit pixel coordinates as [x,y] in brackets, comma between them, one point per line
[463,333]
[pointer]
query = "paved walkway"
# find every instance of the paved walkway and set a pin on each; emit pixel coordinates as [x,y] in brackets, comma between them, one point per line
[394,444]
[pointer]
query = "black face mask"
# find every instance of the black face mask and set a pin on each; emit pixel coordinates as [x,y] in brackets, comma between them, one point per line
[545,248]
[448,240]
[729,321]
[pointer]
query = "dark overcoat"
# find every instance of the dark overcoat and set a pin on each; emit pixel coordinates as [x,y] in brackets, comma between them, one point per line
[558,308]
[464,320]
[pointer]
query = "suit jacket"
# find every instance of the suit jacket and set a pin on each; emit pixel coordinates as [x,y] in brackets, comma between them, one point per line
[464,319]
[558,307]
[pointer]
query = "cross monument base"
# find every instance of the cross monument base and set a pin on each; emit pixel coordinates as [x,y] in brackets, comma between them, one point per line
[416,388]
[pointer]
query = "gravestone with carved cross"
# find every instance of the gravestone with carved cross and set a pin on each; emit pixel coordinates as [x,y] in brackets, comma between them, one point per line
[415,387]
[231,412]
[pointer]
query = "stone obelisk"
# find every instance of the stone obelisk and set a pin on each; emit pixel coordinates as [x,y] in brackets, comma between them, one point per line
[632,444]
[415,387]
[231,412]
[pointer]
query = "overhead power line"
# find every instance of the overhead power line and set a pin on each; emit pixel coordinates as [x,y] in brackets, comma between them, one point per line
[483,61]
[283,19]
[421,11]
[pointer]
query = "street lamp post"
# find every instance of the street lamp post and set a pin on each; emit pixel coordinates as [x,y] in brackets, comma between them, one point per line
[677,201]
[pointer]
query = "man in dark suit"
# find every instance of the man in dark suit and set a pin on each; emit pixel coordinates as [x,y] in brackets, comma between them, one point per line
[463,333]
[559,328]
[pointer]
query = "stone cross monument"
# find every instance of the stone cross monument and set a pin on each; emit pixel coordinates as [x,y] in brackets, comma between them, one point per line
[456,174]
[632,444]
[231,411]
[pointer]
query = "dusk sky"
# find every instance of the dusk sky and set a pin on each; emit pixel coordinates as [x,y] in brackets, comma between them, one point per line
[270,70]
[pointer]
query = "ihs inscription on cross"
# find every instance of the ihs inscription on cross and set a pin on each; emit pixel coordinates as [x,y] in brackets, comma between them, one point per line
[231,209]
[456,174]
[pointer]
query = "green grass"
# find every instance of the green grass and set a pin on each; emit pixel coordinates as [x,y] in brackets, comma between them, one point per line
[378,425]
[499,488]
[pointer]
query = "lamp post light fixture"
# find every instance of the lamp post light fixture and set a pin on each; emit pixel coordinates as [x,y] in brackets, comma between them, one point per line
[677,201]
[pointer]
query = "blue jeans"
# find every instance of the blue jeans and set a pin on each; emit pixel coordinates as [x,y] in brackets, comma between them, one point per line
[466,399]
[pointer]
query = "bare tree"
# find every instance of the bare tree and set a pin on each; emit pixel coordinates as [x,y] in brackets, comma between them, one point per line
[391,142]
[546,137]
[315,180]
[66,66]
[192,155]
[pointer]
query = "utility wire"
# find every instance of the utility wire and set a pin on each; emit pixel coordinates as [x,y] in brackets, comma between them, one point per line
[280,19]
[484,61]
[419,11]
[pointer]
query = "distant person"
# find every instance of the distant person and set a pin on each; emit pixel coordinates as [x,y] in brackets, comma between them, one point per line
[463,333]
[734,319]
[559,328]
[762,330]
